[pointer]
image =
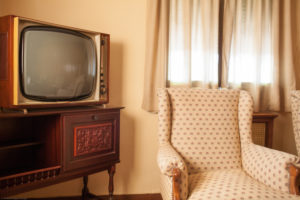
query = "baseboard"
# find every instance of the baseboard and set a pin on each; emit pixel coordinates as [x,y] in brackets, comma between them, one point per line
[116,197]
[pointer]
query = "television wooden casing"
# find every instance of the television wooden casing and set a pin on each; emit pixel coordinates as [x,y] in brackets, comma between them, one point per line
[51,142]
[10,93]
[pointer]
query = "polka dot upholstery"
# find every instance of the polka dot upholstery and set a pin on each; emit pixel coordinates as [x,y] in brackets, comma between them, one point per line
[167,157]
[295,102]
[268,166]
[166,187]
[245,117]
[265,165]
[206,133]
[205,128]
[232,184]
[164,115]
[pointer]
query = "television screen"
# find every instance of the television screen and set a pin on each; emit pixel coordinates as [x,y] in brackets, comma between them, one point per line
[56,64]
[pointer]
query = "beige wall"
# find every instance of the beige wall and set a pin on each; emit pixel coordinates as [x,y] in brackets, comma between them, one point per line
[125,21]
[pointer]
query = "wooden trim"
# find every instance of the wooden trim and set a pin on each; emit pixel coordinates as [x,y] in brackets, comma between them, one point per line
[268,119]
[115,197]
[58,111]
[53,24]
[259,115]
[220,42]
[3,55]
[294,179]
[176,183]
[6,27]
[107,66]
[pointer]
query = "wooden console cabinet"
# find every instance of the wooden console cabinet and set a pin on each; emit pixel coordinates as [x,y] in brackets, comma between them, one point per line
[44,147]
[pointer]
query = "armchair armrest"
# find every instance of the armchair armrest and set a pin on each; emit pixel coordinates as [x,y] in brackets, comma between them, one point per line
[268,166]
[172,165]
[168,159]
[294,170]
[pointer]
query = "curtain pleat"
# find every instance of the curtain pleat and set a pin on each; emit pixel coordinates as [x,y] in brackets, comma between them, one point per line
[193,43]
[157,28]
[230,9]
[259,48]
[251,58]
[286,54]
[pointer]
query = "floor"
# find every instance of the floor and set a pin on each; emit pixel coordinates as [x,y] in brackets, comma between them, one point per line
[116,197]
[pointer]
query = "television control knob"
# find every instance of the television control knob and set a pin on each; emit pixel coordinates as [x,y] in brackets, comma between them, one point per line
[102,90]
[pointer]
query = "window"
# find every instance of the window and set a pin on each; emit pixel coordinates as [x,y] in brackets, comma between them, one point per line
[193,44]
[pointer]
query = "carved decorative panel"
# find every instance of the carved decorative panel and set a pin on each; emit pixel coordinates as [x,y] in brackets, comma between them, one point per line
[92,138]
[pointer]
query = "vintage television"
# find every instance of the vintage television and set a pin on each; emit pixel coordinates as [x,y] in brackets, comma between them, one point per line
[48,65]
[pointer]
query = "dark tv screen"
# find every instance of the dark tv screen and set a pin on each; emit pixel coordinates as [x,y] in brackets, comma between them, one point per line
[56,64]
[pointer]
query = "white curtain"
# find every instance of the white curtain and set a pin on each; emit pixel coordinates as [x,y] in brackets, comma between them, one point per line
[260,53]
[257,48]
[252,61]
[193,43]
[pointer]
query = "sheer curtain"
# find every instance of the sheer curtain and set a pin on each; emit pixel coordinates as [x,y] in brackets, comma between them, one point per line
[193,43]
[252,61]
[258,50]
[260,56]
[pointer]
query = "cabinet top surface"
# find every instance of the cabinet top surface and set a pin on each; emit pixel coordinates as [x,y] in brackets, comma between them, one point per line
[55,111]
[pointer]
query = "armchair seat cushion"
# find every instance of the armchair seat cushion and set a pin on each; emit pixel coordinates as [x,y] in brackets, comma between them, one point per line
[231,184]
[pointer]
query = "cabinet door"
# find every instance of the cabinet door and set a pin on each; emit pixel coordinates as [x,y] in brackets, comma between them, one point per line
[90,139]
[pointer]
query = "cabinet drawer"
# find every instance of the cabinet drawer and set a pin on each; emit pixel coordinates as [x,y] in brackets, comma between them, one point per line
[90,139]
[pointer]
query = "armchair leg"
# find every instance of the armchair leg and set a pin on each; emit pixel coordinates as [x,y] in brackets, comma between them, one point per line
[294,179]
[176,183]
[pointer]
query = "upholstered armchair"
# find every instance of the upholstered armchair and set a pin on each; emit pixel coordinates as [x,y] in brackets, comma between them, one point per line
[295,102]
[206,151]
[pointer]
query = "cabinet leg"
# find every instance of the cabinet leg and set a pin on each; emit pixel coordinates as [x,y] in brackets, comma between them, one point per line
[86,195]
[85,190]
[111,172]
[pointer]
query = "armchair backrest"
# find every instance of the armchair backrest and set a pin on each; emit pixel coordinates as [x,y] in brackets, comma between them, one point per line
[202,125]
[295,105]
